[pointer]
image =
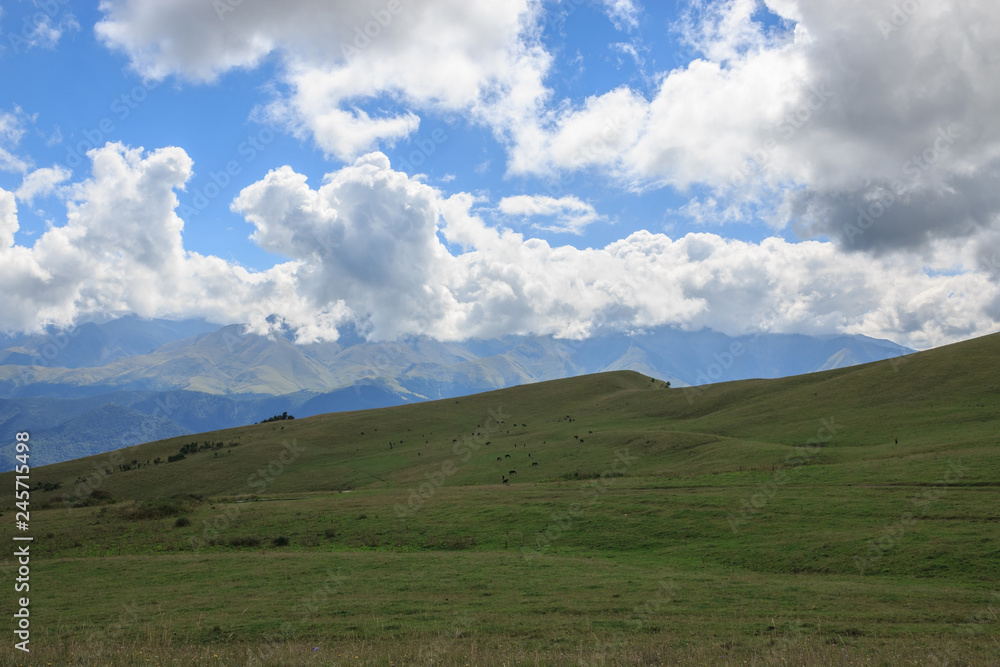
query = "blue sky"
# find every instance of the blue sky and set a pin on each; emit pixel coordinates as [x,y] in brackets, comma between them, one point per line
[609,132]
[89,88]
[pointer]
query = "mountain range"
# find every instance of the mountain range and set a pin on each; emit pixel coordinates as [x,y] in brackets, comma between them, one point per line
[103,386]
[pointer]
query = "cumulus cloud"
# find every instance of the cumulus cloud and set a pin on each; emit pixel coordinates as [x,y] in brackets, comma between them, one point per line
[843,107]
[11,131]
[624,13]
[368,246]
[43,28]
[723,31]
[565,214]
[8,218]
[120,251]
[341,59]
[830,109]
[367,237]
[862,126]
[41,182]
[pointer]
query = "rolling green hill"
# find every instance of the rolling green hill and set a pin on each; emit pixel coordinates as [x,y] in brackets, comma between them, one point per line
[851,512]
[58,380]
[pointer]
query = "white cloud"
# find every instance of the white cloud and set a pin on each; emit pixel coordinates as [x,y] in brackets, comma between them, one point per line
[368,246]
[44,27]
[624,13]
[367,238]
[808,122]
[723,31]
[565,214]
[11,131]
[41,182]
[342,59]
[8,219]
[799,124]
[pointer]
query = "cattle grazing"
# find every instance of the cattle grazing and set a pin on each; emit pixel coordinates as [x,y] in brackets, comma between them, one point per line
[534,464]
[503,478]
[506,456]
[499,459]
[487,442]
[529,456]
[512,472]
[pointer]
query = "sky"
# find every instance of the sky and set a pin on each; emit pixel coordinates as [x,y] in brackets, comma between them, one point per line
[476,168]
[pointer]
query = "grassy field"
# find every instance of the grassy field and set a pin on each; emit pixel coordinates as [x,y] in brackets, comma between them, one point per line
[841,518]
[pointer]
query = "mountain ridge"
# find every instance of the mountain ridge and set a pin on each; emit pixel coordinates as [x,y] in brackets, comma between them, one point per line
[246,377]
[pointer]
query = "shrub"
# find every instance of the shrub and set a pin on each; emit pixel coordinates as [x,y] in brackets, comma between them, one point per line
[182,521]
[152,510]
[281,541]
[460,543]
[330,533]
[247,541]
[592,475]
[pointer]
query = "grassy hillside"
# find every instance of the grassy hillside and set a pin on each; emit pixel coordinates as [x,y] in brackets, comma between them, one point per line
[848,516]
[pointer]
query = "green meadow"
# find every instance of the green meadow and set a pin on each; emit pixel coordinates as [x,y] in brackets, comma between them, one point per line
[848,517]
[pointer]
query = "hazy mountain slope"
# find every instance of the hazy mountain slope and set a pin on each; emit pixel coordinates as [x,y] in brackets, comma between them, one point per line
[941,404]
[93,344]
[107,427]
[223,361]
[226,378]
[227,361]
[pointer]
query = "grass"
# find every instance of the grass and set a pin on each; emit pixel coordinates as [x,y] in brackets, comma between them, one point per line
[755,522]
